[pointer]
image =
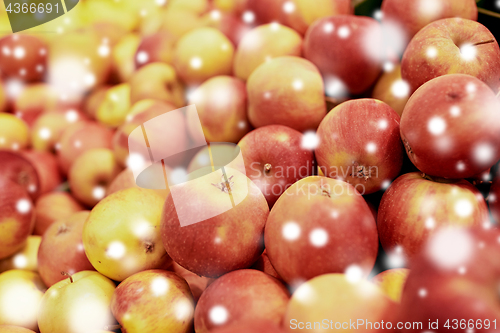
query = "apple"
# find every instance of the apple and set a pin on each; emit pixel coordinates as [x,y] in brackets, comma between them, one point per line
[79,138]
[201,54]
[3,97]
[359,142]
[14,132]
[46,167]
[122,234]
[392,282]
[197,284]
[16,217]
[230,6]
[157,47]
[14,329]
[95,99]
[34,100]
[79,303]
[48,128]
[294,99]
[91,174]
[392,89]
[162,302]
[113,109]
[20,295]
[123,56]
[412,16]
[231,25]
[21,171]
[209,232]
[275,159]
[450,46]
[416,204]
[250,326]
[264,11]
[179,22]
[156,81]
[320,225]
[61,249]
[263,264]
[54,206]
[25,259]
[336,300]
[195,6]
[23,57]
[451,127]
[262,44]
[455,277]
[347,51]
[221,103]
[125,179]
[241,295]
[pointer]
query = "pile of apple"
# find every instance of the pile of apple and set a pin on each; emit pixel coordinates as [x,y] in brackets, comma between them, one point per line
[369,189]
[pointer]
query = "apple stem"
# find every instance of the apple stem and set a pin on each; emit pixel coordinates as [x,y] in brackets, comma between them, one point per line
[68,275]
[484,42]
[268,167]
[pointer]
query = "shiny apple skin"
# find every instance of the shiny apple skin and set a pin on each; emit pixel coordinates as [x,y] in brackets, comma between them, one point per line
[360,144]
[318,226]
[413,207]
[451,127]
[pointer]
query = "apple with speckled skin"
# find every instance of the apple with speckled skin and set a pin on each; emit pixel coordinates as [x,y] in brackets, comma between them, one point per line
[369,160]
[19,169]
[449,46]
[343,45]
[61,249]
[153,301]
[412,16]
[239,296]
[295,99]
[274,159]
[320,225]
[16,217]
[221,103]
[232,238]
[415,205]
[451,127]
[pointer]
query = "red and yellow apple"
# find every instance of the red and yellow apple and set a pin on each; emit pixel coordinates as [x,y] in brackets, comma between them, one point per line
[25,259]
[392,282]
[54,206]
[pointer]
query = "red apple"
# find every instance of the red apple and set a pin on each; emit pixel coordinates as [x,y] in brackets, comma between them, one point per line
[320,225]
[20,170]
[359,142]
[275,159]
[240,296]
[91,173]
[338,302]
[158,47]
[23,57]
[47,169]
[61,249]
[80,137]
[451,127]
[414,205]
[455,281]
[16,217]
[52,207]
[197,284]
[294,99]
[412,16]
[221,103]
[210,232]
[153,300]
[347,51]
[451,46]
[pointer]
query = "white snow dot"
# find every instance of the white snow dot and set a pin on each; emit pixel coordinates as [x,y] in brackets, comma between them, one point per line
[291,231]
[142,57]
[289,7]
[455,111]
[432,52]
[116,250]
[103,50]
[19,52]
[23,206]
[98,192]
[196,62]
[400,89]
[422,292]
[248,17]
[159,286]
[371,147]
[468,52]
[344,32]
[178,176]
[382,124]
[436,125]
[44,133]
[218,315]
[484,153]
[20,261]
[450,248]
[463,208]
[215,15]
[388,66]
[310,140]
[353,273]
[318,237]
[430,223]
[328,27]
[71,116]
[298,84]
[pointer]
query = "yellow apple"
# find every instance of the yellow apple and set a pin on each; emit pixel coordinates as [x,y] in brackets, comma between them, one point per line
[114,107]
[392,282]
[122,234]
[202,54]
[162,302]
[20,295]
[14,133]
[78,304]
[178,22]
[91,173]
[262,44]
[123,56]
[392,89]
[25,259]
[14,329]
